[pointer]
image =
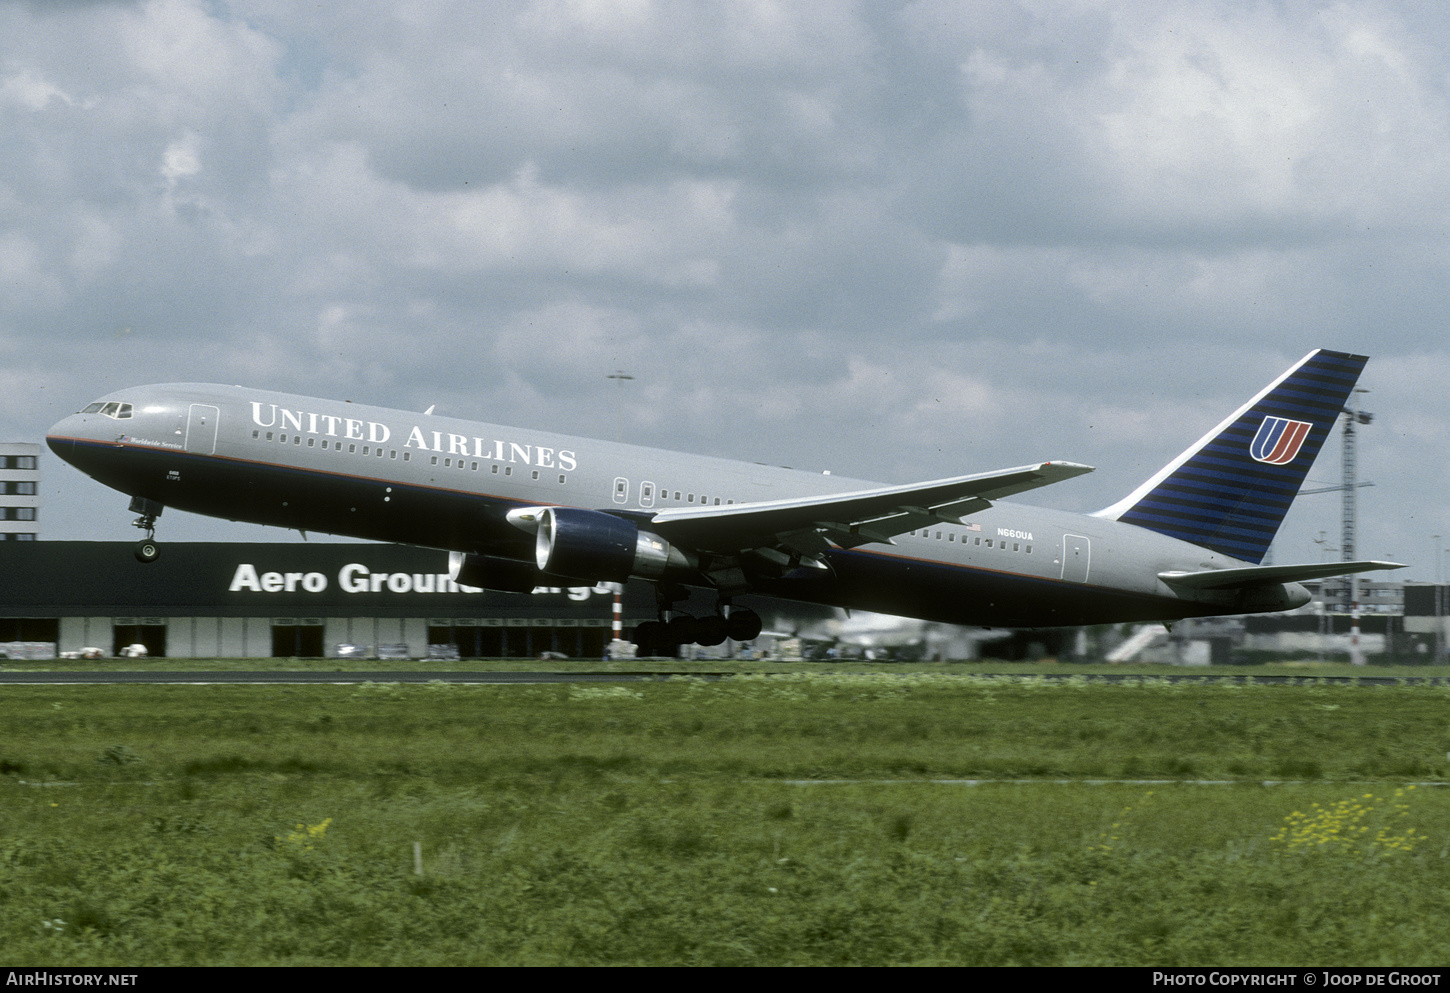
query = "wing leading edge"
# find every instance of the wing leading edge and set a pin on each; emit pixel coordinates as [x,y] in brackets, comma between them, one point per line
[851,519]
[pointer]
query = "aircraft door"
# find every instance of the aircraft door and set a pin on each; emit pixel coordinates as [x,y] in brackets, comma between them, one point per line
[1076,557]
[201,425]
[621,490]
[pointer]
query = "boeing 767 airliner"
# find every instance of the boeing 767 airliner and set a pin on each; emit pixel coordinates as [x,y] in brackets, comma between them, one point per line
[518,508]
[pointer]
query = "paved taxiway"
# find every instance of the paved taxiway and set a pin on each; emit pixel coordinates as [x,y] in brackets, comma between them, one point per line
[88,677]
[294,677]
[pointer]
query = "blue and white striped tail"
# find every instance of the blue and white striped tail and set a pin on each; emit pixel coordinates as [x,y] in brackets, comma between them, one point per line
[1231,490]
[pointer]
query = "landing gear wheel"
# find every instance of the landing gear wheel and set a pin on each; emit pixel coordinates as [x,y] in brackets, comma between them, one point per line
[743,625]
[648,636]
[682,629]
[710,630]
[146,550]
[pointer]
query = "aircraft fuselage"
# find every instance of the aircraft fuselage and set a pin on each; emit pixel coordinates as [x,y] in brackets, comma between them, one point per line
[389,475]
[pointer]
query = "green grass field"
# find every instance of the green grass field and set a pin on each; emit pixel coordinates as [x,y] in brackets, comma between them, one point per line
[1298,669]
[815,817]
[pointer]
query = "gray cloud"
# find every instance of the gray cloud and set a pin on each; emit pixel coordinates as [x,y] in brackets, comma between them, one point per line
[897,241]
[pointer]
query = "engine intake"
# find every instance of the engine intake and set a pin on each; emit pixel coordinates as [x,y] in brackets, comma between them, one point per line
[598,547]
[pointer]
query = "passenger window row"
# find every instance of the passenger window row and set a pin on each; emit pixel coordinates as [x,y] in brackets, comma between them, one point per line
[392,453]
[977,539]
[472,466]
[327,444]
[686,497]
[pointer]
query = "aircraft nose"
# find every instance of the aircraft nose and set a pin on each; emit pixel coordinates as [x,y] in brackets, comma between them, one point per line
[60,439]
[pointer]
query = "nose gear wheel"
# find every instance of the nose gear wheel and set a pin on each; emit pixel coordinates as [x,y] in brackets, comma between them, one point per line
[146,550]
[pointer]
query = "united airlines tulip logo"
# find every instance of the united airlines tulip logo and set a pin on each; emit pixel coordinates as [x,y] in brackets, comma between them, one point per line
[1279,440]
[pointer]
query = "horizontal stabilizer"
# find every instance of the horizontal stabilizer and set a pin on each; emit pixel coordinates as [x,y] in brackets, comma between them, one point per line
[1263,575]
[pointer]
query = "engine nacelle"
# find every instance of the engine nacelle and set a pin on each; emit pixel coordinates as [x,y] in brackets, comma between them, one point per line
[598,547]
[489,573]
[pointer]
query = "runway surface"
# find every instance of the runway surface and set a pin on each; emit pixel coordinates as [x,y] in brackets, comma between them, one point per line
[314,677]
[85,677]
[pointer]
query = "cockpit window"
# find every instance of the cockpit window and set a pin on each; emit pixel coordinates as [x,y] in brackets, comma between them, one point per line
[120,411]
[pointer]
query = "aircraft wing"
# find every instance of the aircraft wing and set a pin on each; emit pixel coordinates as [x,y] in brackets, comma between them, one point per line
[1260,575]
[851,519]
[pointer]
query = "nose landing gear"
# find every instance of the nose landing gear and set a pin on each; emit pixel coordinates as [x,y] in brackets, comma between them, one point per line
[146,549]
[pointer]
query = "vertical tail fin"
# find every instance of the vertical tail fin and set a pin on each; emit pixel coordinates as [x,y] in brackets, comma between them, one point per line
[1231,490]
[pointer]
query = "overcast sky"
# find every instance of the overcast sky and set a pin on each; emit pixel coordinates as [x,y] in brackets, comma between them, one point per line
[897,241]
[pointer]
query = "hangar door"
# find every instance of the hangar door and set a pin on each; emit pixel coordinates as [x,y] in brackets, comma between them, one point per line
[30,629]
[148,631]
[297,638]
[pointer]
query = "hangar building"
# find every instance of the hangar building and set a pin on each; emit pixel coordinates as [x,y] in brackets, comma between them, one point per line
[222,600]
[235,600]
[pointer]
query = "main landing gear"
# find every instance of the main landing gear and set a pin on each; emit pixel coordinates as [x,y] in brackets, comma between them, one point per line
[146,549]
[672,630]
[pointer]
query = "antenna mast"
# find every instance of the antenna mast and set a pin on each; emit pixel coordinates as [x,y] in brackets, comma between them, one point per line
[1348,522]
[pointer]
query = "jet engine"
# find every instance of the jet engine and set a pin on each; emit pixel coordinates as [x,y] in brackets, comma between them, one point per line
[598,547]
[490,573]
